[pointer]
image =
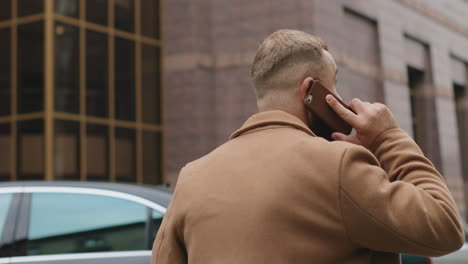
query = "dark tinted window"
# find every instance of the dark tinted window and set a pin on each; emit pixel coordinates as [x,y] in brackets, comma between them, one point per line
[67,150]
[5,71]
[5,200]
[67,7]
[5,148]
[150,18]
[151,92]
[67,91]
[78,223]
[96,11]
[152,158]
[30,67]
[97,149]
[30,150]
[96,74]
[124,79]
[30,7]
[124,15]
[5,9]
[125,154]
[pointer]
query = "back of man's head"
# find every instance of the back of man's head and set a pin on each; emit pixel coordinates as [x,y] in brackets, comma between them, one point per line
[283,60]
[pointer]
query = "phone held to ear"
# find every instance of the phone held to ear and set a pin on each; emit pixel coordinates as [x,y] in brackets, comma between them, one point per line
[324,121]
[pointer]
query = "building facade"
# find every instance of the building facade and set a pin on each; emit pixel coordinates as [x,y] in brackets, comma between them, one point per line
[409,54]
[80,91]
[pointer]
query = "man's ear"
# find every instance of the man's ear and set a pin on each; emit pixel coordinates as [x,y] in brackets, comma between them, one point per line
[305,86]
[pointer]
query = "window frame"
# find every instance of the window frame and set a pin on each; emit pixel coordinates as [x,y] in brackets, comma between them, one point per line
[21,231]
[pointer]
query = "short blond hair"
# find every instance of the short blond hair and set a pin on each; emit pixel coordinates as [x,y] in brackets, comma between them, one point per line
[284,58]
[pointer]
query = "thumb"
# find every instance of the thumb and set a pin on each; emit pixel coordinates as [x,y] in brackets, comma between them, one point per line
[342,137]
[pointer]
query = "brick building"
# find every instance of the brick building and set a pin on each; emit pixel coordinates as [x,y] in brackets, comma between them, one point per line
[410,54]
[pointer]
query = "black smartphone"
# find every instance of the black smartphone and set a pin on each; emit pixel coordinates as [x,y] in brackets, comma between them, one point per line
[325,121]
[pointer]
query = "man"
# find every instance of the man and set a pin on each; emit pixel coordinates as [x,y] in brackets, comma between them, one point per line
[276,193]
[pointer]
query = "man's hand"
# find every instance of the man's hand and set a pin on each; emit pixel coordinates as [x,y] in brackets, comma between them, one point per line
[369,121]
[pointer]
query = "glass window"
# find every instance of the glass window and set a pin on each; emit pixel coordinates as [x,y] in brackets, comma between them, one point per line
[125,154]
[150,18]
[156,218]
[152,158]
[97,152]
[5,200]
[5,9]
[96,11]
[78,223]
[5,71]
[124,79]
[97,78]
[125,15]
[67,7]
[416,84]
[67,66]
[151,92]
[5,147]
[30,150]
[67,150]
[30,7]
[461,103]
[30,67]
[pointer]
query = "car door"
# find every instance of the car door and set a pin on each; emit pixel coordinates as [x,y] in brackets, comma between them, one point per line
[73,227]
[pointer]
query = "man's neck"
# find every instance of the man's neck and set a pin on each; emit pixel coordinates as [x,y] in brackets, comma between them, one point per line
[299,113]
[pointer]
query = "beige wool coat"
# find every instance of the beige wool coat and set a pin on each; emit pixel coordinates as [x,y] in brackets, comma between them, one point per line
[276,193]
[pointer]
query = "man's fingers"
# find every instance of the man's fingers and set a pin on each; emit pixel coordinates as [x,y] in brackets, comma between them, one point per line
[357,105]
[342,137]
[342,111]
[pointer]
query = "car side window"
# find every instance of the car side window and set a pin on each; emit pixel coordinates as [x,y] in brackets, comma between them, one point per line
[156,221]
[78,223]
[5,200]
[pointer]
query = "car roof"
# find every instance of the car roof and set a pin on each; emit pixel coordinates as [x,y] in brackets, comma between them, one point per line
[157,194]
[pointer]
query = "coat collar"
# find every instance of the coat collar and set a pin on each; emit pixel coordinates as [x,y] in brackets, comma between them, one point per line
[270,118]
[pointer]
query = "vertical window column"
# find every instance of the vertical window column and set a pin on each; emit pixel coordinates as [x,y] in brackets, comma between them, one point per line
[423,108]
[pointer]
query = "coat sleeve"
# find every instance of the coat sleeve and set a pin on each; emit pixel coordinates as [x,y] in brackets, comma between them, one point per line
[168,247]
[398,203]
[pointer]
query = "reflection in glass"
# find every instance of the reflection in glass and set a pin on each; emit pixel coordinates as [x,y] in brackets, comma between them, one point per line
[151,92]
[5,157]
[80,223]
[30,67]
[5,200]
[125,154]
[150,18]
[97,152]
[96,11]
[152,173]
[124,79]
[5,9]
[124,15]
[30,140]
[96,74]
[5,71]
[67,65]
[67,7]
[30,7]
[67,150]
